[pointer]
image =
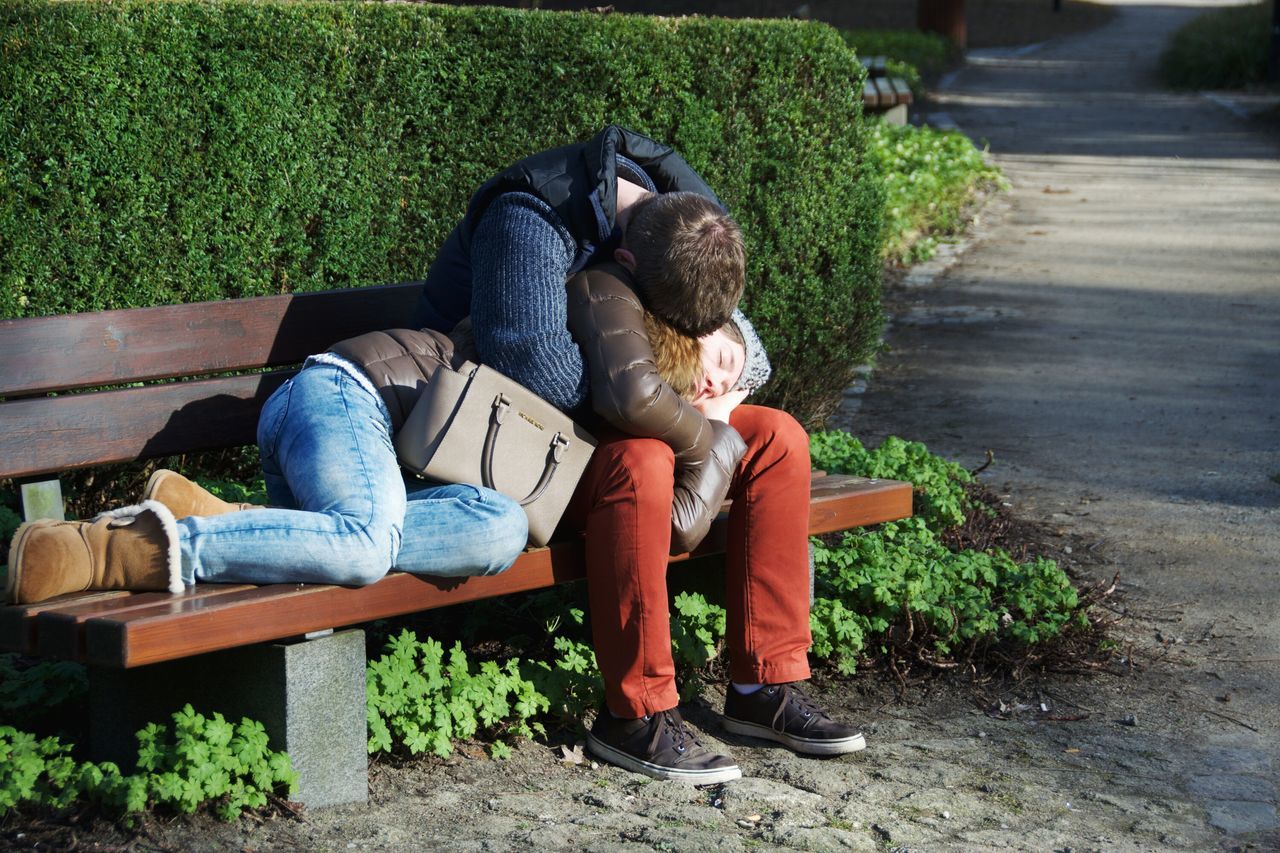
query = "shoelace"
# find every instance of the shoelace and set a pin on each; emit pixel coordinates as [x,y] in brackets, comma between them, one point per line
[681,737]
[792,695]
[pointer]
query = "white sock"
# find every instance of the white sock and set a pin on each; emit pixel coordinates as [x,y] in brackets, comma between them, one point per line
[745,689]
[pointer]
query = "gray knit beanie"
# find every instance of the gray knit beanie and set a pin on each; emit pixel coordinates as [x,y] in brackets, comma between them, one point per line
[755,368]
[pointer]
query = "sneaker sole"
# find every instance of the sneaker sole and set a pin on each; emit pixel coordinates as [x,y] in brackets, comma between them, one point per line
[628,761]
[808,746]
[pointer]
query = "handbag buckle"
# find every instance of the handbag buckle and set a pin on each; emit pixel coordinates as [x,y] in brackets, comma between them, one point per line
[501,404]
[559,444]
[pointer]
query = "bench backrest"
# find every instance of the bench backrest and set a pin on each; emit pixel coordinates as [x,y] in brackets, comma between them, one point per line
[168,348]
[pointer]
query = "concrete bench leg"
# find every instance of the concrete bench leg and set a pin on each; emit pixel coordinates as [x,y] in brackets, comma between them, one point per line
[896,115]
[309,695]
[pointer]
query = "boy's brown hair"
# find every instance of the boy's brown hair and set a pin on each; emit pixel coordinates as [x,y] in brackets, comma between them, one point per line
[678,356]
[690,260]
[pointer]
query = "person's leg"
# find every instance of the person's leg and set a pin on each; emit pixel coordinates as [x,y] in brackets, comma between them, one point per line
[326,450]
[623,502]
[767,557]
[459,530]
[767,579]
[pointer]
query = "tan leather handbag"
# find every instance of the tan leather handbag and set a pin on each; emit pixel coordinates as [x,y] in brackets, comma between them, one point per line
[474,425]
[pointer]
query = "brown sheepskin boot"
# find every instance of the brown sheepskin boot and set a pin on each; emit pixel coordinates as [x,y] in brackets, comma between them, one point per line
[184,498]
[133,548]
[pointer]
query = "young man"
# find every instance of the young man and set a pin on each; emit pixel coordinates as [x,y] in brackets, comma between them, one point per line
[548,216]
[623,197]
[624,504]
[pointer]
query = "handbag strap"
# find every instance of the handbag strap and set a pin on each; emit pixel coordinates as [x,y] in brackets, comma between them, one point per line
[501,405]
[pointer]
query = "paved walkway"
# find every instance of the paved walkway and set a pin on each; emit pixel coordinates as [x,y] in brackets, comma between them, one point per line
[1113,335]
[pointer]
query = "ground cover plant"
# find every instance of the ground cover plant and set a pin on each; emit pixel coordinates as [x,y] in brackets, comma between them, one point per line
[931,179]
[1221,49]
[200,762]
[903,595]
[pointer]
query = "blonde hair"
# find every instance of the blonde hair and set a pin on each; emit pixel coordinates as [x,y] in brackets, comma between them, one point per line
[678,356]
[690,260]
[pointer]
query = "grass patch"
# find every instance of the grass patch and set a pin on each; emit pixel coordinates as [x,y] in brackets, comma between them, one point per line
[1221,49]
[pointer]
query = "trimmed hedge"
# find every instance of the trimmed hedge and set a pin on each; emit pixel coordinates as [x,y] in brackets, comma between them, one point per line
[1221,49]
[165,152]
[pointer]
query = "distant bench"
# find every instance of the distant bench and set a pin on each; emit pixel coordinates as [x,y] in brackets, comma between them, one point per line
[884,95]
[268,652]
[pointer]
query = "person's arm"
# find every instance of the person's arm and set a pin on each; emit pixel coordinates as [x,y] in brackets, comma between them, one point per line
[520,254]
[607,320]
[700,490]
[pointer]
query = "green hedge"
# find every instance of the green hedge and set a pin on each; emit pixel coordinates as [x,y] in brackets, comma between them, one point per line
[1221,49]
[164,152]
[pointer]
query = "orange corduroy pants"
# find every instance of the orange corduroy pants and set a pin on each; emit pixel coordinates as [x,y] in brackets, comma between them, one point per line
[623,503]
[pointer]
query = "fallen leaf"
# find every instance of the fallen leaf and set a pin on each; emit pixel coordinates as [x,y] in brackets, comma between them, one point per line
[572,755]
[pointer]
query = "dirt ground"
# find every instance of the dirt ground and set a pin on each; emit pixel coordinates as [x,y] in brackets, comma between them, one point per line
[1109,331]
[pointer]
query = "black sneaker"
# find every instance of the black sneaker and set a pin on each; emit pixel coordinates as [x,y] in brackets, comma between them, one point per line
[783,713]
[658,745]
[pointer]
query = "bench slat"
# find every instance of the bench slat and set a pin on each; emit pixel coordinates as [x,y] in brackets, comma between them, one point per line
[45,434]
[901,91]
[59,632]
[154,634]
[877,66]
[40,354]
[130,635]
[18,621]
[870,94]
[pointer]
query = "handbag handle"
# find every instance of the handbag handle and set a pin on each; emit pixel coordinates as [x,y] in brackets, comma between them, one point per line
[501,404]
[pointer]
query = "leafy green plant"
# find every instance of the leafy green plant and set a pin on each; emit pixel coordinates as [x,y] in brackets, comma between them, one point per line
[839,634]
[902,574]
[900,585]
[570,683]
[929,176]
[697,635]
[253,492]
[206,760]
[938,483]
[418,701]
[30,691]
[1221,49]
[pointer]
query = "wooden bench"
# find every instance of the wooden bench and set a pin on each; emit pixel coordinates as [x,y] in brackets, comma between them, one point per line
[886,96]
[269,652]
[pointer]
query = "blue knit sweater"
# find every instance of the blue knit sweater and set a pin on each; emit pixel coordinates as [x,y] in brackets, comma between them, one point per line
[520,253]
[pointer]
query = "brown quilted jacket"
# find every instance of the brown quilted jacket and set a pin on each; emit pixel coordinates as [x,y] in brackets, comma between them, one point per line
[606,318]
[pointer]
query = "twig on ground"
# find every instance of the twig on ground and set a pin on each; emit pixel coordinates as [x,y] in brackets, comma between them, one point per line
[991,457]
[1057,698]
[1245,660]
[1229,718]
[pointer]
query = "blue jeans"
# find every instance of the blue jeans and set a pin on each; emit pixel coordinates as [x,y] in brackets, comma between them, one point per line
[347,514]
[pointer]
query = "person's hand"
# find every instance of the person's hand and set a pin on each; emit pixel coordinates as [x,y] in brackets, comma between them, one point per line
[719,408]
